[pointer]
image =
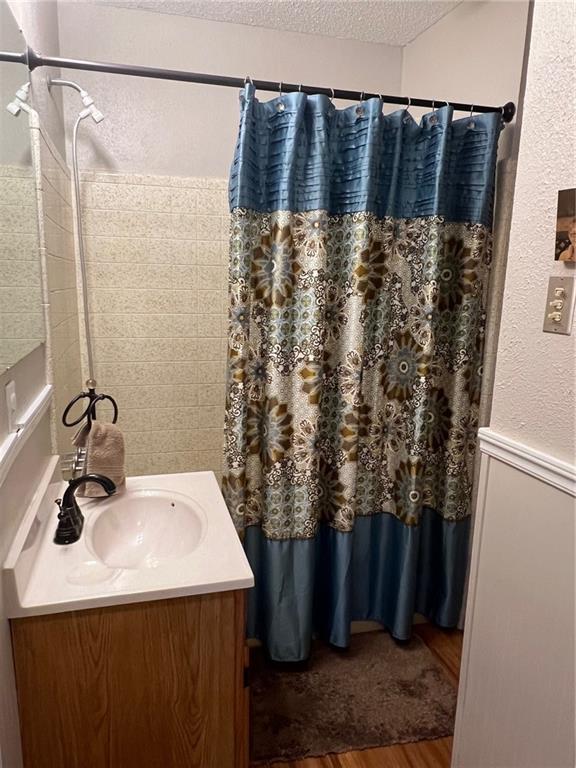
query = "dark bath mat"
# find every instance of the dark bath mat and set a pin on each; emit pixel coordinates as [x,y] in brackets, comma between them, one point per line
[375,694]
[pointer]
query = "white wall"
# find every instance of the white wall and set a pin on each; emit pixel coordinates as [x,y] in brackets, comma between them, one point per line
[516,702]
[516,697]
[183,129]
[535,372]
[473,54]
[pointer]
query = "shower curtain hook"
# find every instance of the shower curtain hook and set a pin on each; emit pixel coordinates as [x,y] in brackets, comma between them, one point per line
[360,108]
[280,107]
[332,96]
[407,117]
[471,123]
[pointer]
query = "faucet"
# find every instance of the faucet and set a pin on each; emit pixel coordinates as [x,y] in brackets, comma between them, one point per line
[70,518]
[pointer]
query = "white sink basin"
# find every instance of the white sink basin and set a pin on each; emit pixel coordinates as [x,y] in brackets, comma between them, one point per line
[161,537]
[143,528]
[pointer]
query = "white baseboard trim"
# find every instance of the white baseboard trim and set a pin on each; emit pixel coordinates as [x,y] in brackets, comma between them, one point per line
[544,467]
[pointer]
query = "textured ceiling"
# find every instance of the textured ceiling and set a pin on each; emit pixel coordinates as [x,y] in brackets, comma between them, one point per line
[394,22]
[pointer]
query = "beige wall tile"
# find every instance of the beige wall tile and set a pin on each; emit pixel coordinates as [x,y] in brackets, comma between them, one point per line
[157,272]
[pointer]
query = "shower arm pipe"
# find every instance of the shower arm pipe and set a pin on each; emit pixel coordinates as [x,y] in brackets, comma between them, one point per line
[35,60]
[84,113]
[81,255]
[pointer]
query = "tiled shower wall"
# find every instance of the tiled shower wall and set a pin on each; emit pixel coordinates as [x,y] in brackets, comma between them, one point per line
[21,317]
[58,257]
[156,250]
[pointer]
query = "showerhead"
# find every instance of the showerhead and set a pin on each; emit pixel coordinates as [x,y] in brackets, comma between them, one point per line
[97,116]
[14,108]
[19,103]
[89,108]
[23,92]
[92,112]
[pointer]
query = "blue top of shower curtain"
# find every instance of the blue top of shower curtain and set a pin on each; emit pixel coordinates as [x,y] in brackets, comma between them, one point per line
[300,153]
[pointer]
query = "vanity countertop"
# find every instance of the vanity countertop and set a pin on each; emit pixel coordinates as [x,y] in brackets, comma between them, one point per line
[40,577]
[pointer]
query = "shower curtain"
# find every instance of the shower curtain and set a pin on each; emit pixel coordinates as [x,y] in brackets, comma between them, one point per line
[359,252]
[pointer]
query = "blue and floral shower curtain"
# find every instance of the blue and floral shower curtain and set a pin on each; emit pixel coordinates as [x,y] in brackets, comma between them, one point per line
[359,256]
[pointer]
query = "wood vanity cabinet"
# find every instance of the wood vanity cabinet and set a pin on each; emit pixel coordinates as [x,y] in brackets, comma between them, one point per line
[158,684]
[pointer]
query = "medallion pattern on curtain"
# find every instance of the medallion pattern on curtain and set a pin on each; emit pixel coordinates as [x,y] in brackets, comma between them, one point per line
[359,256]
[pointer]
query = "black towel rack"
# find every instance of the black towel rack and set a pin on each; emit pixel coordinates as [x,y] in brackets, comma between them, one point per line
[89,412]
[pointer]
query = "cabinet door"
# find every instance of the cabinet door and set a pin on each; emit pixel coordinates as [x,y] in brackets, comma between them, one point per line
[150,685]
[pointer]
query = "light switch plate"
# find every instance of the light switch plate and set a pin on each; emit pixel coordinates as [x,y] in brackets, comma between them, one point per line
[559,306]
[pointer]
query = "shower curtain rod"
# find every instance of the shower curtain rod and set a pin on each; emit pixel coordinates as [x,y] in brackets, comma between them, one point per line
[34,60]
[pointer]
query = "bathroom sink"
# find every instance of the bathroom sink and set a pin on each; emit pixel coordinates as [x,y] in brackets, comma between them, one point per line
[142,528]
[160,537]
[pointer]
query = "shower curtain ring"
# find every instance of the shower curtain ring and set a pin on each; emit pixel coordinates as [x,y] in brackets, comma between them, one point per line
[471,123]
[360,108]
[280,107]
[247,80]
[332,96]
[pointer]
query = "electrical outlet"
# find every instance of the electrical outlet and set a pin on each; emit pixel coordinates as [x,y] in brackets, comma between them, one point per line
[559,306]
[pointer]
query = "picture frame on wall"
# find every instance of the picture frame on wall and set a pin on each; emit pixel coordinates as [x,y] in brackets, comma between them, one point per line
[566,226]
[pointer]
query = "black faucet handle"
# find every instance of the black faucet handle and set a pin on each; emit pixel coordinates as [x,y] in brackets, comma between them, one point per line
[70,523]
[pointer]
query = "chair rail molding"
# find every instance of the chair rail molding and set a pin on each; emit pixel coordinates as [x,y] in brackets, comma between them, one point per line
[541,465]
